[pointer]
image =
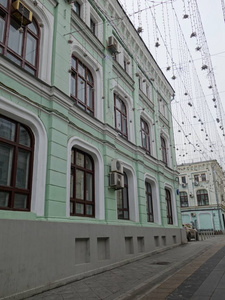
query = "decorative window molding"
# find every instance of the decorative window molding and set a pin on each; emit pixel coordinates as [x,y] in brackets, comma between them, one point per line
[99,175]
[24,116]
[97,74]
[129,108]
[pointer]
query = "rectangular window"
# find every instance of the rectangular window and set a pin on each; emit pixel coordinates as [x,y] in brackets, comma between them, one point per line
[77,8]
[183,179]
[203,176]
[93,26]
[196,178]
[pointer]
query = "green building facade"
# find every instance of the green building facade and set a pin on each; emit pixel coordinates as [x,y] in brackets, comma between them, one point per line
[87,158]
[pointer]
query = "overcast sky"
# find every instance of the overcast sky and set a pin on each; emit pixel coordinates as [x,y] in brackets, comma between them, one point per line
[160,22]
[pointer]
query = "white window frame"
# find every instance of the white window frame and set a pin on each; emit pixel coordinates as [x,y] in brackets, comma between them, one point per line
[26,117]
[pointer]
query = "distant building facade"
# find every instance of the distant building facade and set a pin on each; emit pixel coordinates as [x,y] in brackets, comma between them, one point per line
[202,195]
[87,159]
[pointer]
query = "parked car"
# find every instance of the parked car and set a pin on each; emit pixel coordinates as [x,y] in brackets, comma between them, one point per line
[191,232]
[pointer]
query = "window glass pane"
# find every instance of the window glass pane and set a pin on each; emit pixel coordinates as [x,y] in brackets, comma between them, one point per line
[76,7]
[123,107]
[126,215]
[71,207]
[118,120]
[13,58]
[6,158]
[4,199]
[22,169]
[89,77]
[3,3]
[89,163]
[79,159]
[125,178]
[89,210]
[24,137]
[2,26]
[15,38]
[89,96]
[119,199]
[73,62]
[7,129]
[81,69]
[79,208]
[71,184]
[89,187]
[30,70]
[125,198]
[73,86]
[118,103]
[32,27]
[72,156]
[31,49]
[79,184]
[124,124]
[81,90]
[20,201]
[143,140]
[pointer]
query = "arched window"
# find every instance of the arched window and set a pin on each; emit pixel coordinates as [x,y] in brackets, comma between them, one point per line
[82,200]
[123,201]
[120,116]
[18,42]
[82,86]
[16,163]
[164,151]
[169,207]
[202,197]
[183,199]
[145,136]
[149,202]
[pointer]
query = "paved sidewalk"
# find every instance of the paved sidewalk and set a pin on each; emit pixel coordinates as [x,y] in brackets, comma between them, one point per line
[142,279]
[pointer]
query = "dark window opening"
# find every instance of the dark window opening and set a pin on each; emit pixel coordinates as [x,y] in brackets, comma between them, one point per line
[164,150]
[150,214]
[82,197]
[18,42]
[82,86]
[123,201]
[16,165]
[202,197]
[183,199]
[145,136]
[120,116]
[169,207]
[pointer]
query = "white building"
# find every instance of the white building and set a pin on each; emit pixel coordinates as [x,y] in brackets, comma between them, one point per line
[201,190]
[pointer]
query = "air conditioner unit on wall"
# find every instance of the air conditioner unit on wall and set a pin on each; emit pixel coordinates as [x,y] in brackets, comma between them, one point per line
[116,166]
[21,13]
[116,180]
[184,185]
[112,44]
